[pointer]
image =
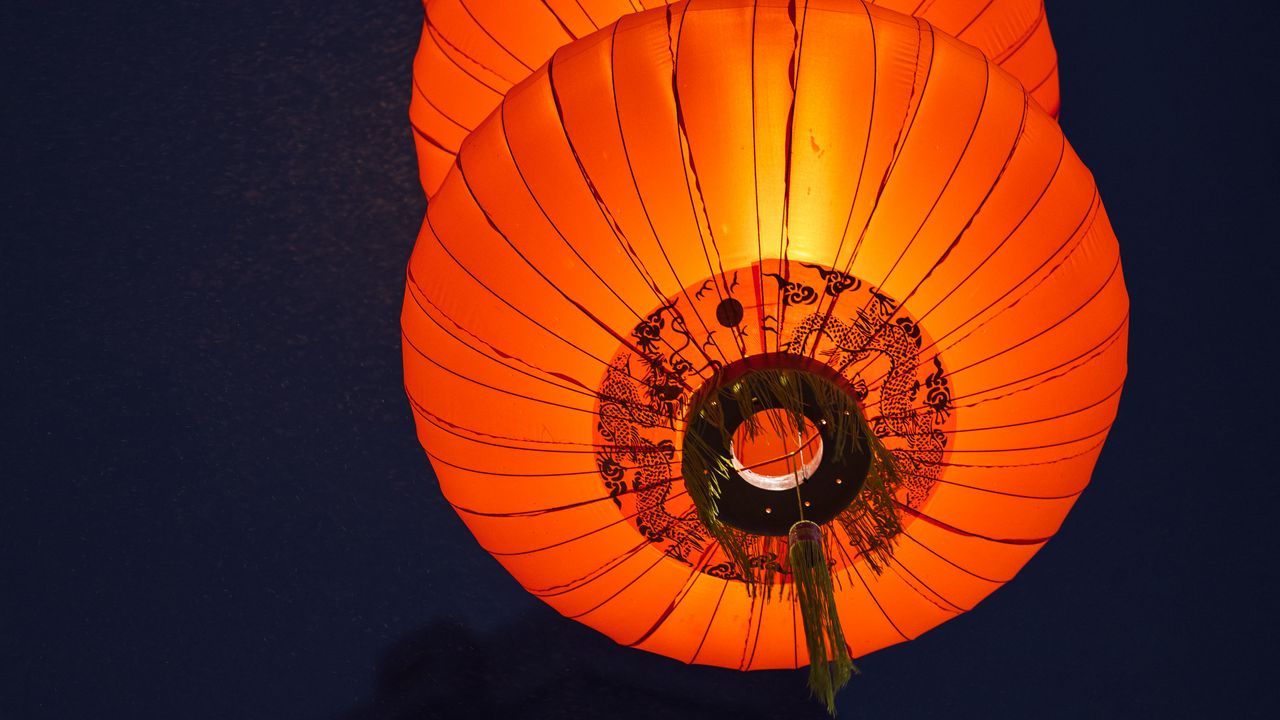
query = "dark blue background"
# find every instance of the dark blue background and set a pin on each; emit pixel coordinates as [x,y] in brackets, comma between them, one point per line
[214,503]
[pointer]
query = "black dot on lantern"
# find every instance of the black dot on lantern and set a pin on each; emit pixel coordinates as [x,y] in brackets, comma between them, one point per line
[729,312]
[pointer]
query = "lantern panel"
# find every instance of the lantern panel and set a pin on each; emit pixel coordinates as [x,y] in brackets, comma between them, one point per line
[668,197]
[473,51]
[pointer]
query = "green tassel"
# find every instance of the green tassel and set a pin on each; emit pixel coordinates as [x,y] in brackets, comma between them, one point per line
[871,520]
[830,666]
[704,468]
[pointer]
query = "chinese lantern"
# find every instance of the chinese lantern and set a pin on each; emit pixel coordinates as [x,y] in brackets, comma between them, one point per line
[765,334]
[473,51]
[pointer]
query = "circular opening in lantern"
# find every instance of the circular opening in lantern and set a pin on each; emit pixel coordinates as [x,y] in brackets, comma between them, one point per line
[770,452]
[774,423]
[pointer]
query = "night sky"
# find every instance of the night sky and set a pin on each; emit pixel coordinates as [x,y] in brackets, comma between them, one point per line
[215,505]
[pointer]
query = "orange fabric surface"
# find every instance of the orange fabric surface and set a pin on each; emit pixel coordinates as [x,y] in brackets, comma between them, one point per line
[897,184]
[473,51]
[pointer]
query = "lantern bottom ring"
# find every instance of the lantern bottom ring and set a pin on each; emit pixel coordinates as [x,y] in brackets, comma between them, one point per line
[828,460]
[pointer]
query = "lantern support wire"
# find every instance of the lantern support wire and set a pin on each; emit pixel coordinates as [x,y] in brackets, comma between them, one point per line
[644,207]
[884,183]
[634,259]
[995,183]
[606,215]
[1082,229]
[908,123]
[689,166]
[417,87]
[440,243]
[695,574]
[461,68]
[510,53]
[999,58]
[559,290]
[851,571]
[798,19]
[1110,278]
[1084,358]
[907,534]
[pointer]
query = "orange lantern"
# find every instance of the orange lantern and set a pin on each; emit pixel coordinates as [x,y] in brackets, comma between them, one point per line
[762,336]
[473,51]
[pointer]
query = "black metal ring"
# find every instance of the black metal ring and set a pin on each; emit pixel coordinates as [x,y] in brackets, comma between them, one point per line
[824,495]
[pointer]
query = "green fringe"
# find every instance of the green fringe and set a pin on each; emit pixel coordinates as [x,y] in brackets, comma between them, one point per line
[871,520]
[830,666]
[703,470]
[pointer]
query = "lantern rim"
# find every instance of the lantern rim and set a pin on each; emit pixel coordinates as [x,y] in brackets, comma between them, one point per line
[725,404]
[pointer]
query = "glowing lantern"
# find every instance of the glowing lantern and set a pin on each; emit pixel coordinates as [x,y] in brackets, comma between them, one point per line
[742,331]
[473,51]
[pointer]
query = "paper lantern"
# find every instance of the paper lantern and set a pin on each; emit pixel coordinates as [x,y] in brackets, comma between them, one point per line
[713,216]
[473,51]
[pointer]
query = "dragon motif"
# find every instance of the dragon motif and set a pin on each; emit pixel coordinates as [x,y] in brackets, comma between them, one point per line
[874,331]
[646,389]
[624,415]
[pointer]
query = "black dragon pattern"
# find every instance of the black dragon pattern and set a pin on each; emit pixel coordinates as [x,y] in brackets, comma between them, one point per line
[644,394]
